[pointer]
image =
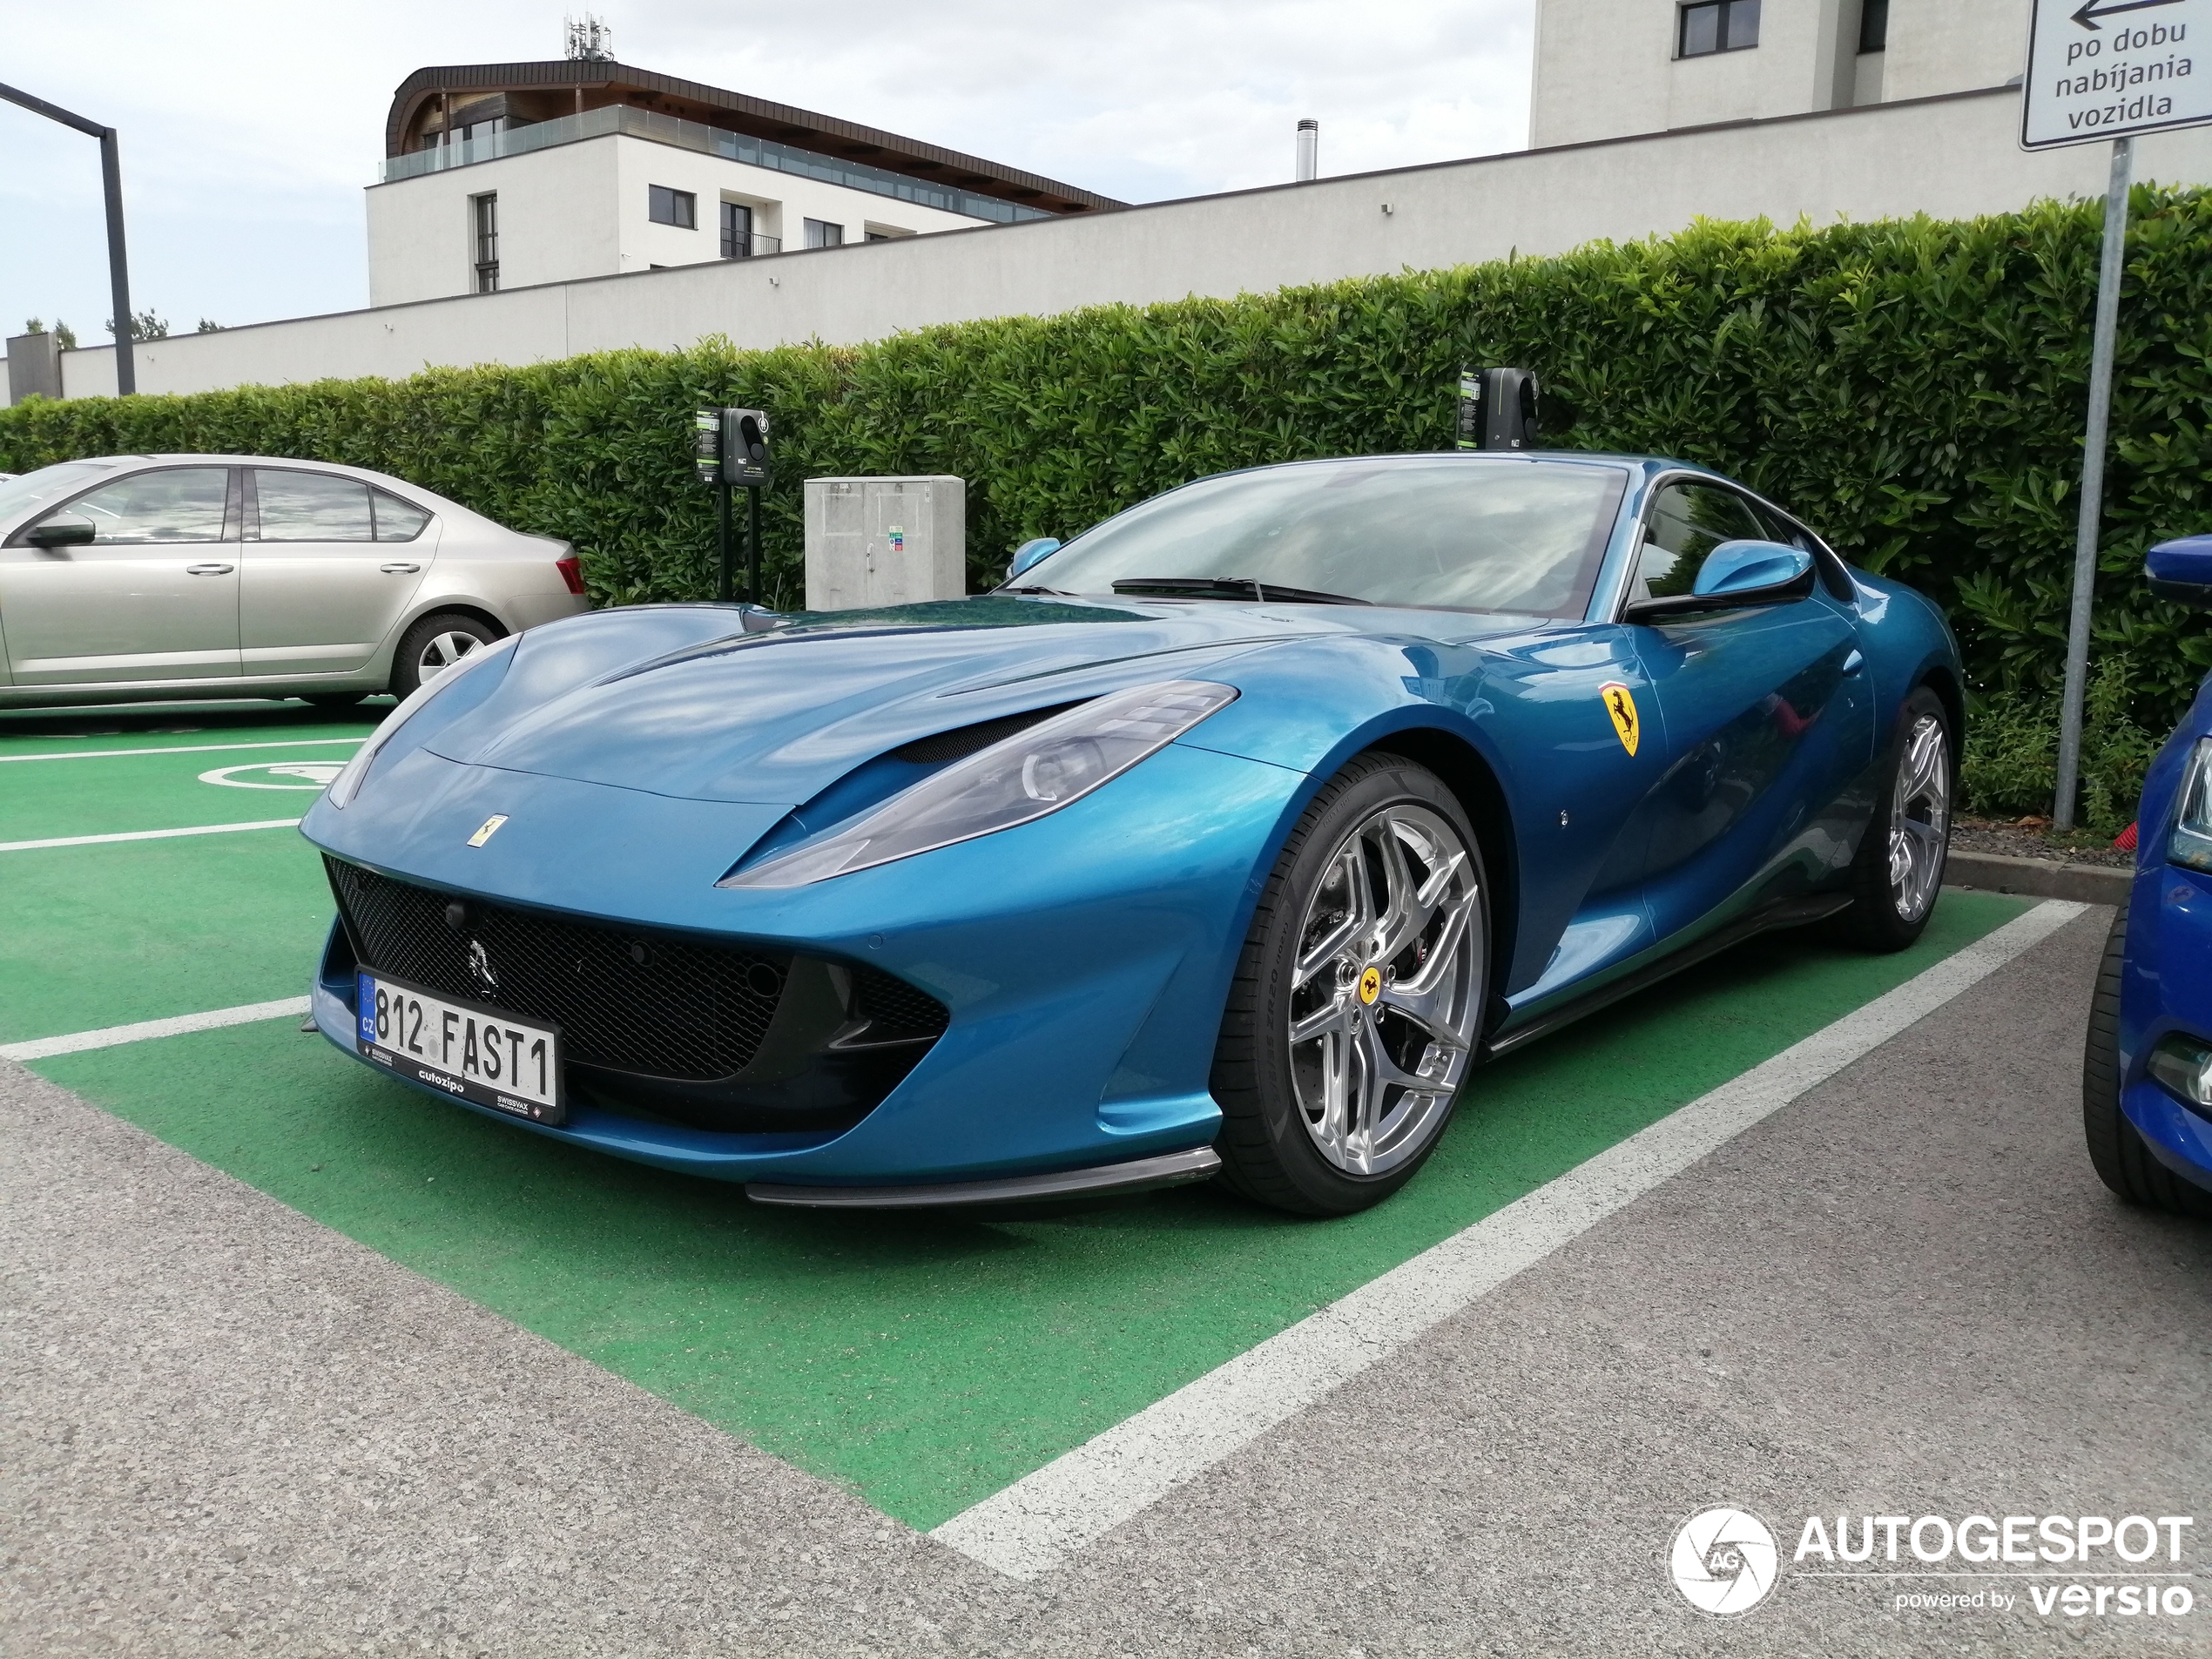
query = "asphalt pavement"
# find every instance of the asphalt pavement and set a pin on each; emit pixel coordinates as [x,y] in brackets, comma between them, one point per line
[224,1428]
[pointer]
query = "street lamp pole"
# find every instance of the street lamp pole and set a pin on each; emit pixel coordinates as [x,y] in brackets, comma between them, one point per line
[118,268]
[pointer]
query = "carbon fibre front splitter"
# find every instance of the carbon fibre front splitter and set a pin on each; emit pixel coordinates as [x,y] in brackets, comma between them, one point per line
[1141,1175]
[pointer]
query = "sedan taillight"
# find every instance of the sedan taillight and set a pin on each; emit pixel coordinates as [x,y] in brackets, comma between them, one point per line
[572,569]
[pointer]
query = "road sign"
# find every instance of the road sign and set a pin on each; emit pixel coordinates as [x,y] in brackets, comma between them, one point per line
[2110,69]
[2099,70]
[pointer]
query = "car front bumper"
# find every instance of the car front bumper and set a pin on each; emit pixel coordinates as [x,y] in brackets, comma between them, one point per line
[1084,957]
[2167,988]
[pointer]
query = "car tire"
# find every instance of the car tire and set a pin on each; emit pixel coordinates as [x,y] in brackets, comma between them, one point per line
[436,643]
[334,700]
[1329,1123]
[1890,911]
[2117,1150]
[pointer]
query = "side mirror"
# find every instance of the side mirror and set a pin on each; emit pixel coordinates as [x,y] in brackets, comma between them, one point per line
[64,529]
[1735,576]
[1029,552]
[2181,570]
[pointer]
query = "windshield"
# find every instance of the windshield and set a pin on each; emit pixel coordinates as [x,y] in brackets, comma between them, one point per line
[1457,532]
[46,483]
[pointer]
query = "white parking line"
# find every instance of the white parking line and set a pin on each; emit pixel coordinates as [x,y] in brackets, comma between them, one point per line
[108,1037]
[182,749]
[147,835]
[1033,1525]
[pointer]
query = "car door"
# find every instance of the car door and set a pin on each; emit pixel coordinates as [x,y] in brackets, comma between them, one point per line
[153,597]
[330,565]
[1766,719]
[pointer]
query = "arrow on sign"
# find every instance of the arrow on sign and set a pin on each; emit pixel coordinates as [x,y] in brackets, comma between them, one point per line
[2091,11]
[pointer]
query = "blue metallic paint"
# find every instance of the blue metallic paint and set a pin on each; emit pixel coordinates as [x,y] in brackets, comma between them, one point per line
[638,755]
[2166,977]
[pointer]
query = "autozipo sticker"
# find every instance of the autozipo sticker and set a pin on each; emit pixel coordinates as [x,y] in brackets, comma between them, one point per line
[1623,708]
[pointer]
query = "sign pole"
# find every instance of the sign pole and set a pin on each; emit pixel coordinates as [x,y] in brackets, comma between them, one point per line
[2109,274]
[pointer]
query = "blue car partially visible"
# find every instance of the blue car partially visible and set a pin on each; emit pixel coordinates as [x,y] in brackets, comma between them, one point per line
[2146,1071]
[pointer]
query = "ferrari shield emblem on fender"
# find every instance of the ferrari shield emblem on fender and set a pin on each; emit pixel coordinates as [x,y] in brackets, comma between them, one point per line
[1623,708]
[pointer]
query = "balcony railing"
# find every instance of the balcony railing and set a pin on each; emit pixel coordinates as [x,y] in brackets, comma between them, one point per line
[742,248]
[696,135]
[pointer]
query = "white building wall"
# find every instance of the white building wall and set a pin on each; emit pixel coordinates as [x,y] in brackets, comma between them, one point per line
[581,210]
[559,220]
[1951,157]
[1949,45]
[1607,68]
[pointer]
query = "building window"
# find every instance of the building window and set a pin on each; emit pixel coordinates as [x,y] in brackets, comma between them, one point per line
[1874,25]
[737,230]
[821,233]
[484,213]
[677,207]
[1718,26]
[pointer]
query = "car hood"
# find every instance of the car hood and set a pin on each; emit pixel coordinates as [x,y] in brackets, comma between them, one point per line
[672,700]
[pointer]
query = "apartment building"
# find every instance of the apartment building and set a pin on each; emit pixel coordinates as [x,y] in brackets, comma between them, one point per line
[511,175]
[1616,68]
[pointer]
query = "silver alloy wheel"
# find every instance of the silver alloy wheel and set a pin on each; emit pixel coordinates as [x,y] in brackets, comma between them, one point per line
[1386,993]
[1919,818]
[441,651]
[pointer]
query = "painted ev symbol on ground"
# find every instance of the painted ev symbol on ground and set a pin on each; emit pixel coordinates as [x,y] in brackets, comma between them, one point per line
[276,774]
[1723,1561]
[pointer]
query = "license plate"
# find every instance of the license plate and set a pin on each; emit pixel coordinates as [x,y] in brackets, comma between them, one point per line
[483,1054]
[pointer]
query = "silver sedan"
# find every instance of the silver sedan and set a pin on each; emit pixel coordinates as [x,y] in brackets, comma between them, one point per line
[132,577]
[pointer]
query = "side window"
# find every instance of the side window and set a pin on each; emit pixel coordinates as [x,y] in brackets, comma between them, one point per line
[1682,524]
[396,520]
[151,509]
[1779,529]
[311,507]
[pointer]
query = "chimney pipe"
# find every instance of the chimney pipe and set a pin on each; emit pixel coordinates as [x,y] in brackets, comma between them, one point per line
[1309,149]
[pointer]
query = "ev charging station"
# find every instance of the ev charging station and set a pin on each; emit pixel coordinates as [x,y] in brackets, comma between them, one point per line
[730,449]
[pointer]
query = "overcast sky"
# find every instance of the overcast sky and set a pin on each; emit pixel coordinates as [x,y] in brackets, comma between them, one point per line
[249,127]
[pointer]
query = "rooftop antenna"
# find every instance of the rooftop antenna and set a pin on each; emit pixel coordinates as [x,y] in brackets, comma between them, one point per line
[587,38]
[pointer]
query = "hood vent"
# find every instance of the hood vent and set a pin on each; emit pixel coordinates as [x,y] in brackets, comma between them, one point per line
[963,741]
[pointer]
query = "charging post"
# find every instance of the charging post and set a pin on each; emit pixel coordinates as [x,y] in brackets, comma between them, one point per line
[729,451]
[1497,408]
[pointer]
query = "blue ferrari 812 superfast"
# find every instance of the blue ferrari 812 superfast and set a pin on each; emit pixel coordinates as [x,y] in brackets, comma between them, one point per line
[1226,840]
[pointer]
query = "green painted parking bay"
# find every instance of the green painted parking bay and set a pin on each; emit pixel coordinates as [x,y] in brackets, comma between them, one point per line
[51,787]
[925,1361]
[104,935]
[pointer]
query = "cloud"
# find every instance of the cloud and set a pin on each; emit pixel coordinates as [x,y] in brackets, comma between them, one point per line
[250,127]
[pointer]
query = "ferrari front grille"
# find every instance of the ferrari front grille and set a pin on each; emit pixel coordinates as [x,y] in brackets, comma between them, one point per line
[626,1000]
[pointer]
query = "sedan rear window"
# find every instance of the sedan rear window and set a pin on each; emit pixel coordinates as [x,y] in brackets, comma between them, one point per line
[396,520]
[311,507]
[1446,532]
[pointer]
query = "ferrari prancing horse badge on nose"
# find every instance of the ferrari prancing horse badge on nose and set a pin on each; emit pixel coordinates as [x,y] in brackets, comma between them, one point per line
[1623,708]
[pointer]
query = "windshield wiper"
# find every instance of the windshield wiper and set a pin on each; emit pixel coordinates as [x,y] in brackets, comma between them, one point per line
[1061,593]
[1232,587]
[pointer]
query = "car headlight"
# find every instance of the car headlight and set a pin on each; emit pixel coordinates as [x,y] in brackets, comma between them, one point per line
[1052,764]
[2184,1065]
[347,783]
[2191,843]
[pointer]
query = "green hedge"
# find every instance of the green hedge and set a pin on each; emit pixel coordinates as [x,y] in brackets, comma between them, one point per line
[1913,388]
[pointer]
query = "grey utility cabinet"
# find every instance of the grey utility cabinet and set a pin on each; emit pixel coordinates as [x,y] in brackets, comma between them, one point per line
[885,541]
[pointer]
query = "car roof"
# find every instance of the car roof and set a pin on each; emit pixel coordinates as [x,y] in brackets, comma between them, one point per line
[445,506]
